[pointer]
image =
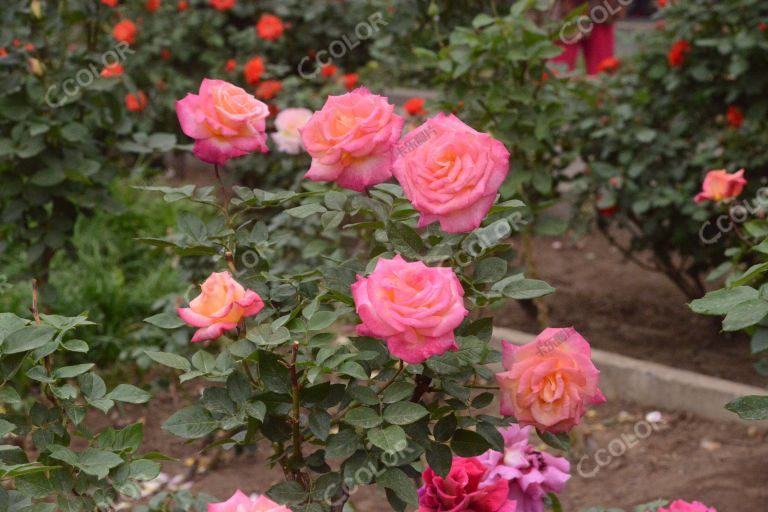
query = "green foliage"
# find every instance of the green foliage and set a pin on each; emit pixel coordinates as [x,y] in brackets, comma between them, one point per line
[652,131]
[46,469]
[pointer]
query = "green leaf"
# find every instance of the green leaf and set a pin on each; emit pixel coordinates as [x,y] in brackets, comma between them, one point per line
[191,422]
[404,239]
[170,360]
[353,369]
[75,346]
[306,210]
[28,338]
[466,443]
[720,302]
[143,469]
[128,393]
[440,459]
[287,493]
[559,441]
[67,372]
[745,315]
[391,439]
[519,288]
[342,445]
[404,413]
[363,417]
[397,391]
[398,481]
[320,424]
[165,321]
[759,342]
[490,270]
[751,407]
[321,320]
[98,462]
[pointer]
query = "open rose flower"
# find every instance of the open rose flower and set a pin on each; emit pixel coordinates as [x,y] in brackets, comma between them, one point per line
[270,27]
[222,303]
[549,383]
[719,186]
[351,140]
[125,32]
[239,502]
[451,172]
[415,308]
[531,474]
[288,124]
[684,506]
[464,489]
[224,120]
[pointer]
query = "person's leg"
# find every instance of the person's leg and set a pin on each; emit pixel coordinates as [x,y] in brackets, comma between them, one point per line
[569,55]
[600,45]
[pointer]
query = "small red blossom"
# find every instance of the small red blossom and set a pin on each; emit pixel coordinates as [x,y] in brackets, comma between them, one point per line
[230,66]
[415,107]
[253,70]
[111,70]
[609,65]
[125,32]
[268,89]
[136,102]
[165,54]
[328,70]
[350,81]
[678,52]
[270,27]
[223,5]
[735,117]
[152,5]
[183,5]
[110,3]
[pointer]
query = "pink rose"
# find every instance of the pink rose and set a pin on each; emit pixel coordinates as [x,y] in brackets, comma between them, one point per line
[351,140]
[684,506]
[450,172]
[221,305]
[719,185]
[531,474]
[288,123]
[239,502]
[415,308]
[224,120]
[462,490]
[549,383]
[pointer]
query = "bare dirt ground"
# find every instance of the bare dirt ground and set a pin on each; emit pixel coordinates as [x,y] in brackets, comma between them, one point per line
[622,308]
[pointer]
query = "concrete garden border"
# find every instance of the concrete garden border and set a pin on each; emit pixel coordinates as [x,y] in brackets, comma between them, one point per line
[656,385]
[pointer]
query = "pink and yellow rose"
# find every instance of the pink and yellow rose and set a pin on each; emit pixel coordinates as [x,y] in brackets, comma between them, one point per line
[464,488]
[550,382]
[351,140]
[239,502]
[225,121]
[451,172]
[413,307]
[222,303]
[684,506]
[719,186]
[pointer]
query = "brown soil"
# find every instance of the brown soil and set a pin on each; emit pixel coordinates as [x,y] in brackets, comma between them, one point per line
[622,308]
[723,465]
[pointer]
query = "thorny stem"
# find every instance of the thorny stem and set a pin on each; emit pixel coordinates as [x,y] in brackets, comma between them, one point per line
[48,359]
[295,415]
[542,309]
[394,377]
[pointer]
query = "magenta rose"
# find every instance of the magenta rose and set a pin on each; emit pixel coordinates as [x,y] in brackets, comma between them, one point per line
[415,308]
[550,382]
[351,140]
[684,506]
[531,474]
[451,173]
[224,120]
[464,489]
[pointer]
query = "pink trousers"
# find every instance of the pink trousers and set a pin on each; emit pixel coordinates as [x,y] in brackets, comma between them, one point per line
[598,45]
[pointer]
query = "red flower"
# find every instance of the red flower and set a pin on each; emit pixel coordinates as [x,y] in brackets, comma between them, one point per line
[3,52]
[273,110]
[762,26]
[125,32]
[136,102]
[462,490]
[231,65]
[608,65]
[270,27]
[415,107]
[16,43]
[223,5]
[350,80]
[661,3]
[111,3]
[268,89]
[735,116]
[677,53]
[153,5]
[165,54]
[112,70]
[253,70]
[29,47]
[183,5]
[328,70]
